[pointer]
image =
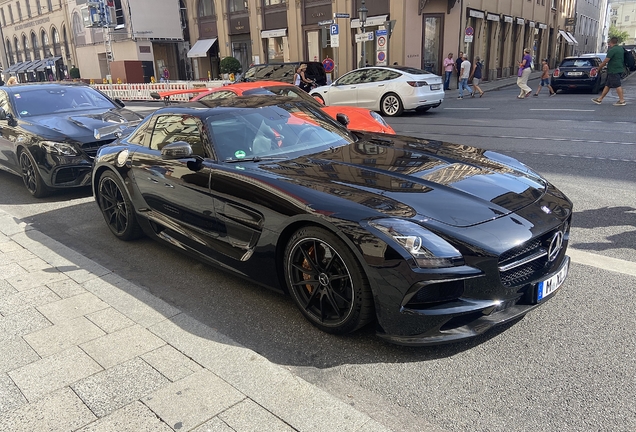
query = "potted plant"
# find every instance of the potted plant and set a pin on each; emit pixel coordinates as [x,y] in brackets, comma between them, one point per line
[230,65]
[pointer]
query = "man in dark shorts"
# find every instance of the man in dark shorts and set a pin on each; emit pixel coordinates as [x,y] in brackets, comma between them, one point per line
[615,67]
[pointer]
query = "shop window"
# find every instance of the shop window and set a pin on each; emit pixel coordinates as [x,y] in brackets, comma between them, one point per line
[206,8]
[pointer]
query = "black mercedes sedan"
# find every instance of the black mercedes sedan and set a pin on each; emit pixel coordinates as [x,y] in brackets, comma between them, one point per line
[49,133]
[432,242]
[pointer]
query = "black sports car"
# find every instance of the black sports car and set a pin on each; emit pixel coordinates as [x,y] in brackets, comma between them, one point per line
[432,241]
[49,133]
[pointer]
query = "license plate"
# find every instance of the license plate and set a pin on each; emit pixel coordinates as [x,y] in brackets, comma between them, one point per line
[548,286]
[436,86]
[575,73]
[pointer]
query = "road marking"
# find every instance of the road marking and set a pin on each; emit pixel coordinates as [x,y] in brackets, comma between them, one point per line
[602,262]
[469,109]
[562,109]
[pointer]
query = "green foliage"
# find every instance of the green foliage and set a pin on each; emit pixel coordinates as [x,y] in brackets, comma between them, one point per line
[74,73]
[230,65]
[621,35]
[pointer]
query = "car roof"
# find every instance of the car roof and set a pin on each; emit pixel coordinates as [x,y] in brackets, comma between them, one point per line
[200,108]
[403,69]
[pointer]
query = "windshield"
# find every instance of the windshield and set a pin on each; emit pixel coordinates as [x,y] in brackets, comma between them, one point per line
[274,131]
[274,72]
[290,91]
[41,101]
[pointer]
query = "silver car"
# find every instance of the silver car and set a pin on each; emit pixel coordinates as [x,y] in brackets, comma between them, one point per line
[390,90]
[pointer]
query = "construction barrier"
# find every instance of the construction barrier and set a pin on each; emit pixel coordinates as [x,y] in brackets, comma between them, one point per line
[130,92]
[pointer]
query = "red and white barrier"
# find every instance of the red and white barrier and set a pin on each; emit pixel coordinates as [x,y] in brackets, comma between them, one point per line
[131,92]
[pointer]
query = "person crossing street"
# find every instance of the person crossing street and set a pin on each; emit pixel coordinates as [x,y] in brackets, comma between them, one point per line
[464,73]
[615,67]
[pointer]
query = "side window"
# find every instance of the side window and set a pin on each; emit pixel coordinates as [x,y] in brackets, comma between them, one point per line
[223,94]
[172,128]
[391,75]
[351,78]
[4,102]
[142,134]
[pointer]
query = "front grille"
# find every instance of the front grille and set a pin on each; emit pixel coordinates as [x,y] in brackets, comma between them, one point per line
[527,262]
[90,148]
[71,175]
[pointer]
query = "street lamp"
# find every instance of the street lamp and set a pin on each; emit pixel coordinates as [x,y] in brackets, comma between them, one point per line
[362,14]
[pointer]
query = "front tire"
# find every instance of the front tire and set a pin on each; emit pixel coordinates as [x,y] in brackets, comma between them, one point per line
[117,208]
[327,282]
[31,176]
[318,97]
[391,105]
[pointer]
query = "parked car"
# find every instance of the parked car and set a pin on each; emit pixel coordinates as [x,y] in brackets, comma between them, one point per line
[433,242]
[359,118]
[285,72]
[390,90]
[49,133]
[581,72]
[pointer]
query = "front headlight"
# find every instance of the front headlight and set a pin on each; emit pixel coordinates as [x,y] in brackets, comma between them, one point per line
[377,117]
[58,148]
[427,249]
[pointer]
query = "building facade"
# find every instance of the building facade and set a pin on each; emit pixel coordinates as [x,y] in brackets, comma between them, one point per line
[589,26]
[186,39]
[623,17]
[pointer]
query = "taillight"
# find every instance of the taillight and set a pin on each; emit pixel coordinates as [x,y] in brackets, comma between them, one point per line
[594,72]
[417,83]
[556,72]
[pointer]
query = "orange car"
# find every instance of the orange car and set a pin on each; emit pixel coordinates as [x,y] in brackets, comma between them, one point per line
[360,119]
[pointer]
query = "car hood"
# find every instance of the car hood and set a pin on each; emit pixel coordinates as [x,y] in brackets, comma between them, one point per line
[406,177]
[81,126]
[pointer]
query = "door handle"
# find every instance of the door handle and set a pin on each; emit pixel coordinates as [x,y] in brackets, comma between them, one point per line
[153,180]
[169,185]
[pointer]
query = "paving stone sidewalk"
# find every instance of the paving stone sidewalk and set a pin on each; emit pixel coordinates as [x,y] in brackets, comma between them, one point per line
[85,350]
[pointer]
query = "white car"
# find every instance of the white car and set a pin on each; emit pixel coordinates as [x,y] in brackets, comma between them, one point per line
[390,90]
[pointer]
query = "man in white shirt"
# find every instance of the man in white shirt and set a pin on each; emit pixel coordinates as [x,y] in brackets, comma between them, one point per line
[464,73]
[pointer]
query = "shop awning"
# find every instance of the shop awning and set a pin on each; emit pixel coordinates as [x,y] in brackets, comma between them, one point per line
[34,65]
[12,68]
[47,63]
[25,66]
[201,48]
[573,38]
[565,35]
[265,34]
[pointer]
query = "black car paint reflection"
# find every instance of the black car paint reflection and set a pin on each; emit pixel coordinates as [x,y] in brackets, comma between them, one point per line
[345,229]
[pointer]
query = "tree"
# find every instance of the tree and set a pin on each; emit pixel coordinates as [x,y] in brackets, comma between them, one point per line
[622,36]
[230,65]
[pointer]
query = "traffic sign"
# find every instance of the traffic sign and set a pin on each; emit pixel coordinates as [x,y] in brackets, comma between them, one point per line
[328,64]
[381,41]
[363,37]
[342,15]
[334,29]
[470,31]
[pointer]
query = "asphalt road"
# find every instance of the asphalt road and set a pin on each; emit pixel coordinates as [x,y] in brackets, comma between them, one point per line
[569,365]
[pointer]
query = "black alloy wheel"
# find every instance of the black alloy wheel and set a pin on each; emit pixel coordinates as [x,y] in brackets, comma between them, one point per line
[326,281]
[31,176]
[117,208]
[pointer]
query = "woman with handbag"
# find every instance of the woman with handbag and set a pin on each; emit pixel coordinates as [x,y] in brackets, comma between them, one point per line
[524,73]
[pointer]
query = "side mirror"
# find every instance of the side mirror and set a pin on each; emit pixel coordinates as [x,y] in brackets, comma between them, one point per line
[120,103]
[176,150]
[343,119]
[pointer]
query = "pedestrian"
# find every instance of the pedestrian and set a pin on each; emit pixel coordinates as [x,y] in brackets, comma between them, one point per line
[615,66]
[12,81]
[464,73]
[545,78]
[300,80]
[449,65]
[166,74]
[458,65]
[475,75]
[524,73]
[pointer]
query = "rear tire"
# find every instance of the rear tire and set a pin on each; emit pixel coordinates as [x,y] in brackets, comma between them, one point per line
[327,282]
[421,110]
[391,105]
[117,208]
